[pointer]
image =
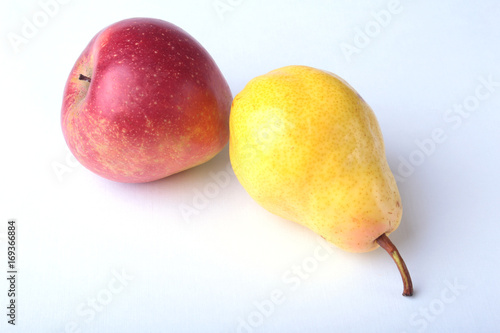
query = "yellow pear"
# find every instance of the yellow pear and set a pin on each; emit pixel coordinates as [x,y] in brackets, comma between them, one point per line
[307,147]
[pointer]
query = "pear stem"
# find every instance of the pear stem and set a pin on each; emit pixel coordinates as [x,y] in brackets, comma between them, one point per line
[387,245]
[84,78]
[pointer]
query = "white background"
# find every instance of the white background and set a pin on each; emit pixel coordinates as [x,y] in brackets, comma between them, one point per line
[218,270]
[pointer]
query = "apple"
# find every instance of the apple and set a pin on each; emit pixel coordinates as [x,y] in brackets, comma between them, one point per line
[143,101]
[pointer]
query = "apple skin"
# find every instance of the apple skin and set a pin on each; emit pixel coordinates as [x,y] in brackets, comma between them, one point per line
[156,103]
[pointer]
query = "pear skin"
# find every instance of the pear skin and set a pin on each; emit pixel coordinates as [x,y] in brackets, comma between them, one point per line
[307,147]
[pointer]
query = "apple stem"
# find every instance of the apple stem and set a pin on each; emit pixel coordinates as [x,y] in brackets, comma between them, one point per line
[387,245]
[84,78]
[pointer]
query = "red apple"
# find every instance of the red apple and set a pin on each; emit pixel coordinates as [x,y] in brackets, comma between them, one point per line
[143,101]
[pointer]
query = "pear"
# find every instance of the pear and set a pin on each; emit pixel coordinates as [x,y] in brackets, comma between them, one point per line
[307,147]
